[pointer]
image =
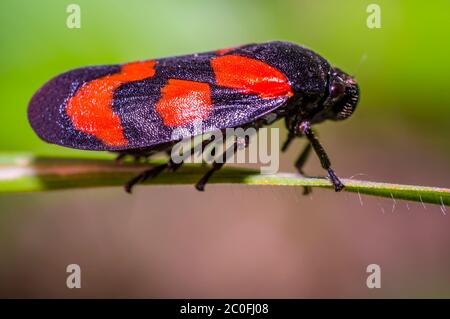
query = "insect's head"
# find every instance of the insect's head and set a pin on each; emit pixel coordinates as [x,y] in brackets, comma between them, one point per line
[342,97]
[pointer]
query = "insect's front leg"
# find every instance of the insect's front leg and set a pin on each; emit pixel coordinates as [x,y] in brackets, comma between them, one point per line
[301,160]
[305,128]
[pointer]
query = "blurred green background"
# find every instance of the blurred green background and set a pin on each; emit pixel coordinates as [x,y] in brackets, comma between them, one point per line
[402,68]
[283,244]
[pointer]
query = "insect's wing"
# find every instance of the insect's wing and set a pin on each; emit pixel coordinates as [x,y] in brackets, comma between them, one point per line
[75,109]
[198,94]
[141,104]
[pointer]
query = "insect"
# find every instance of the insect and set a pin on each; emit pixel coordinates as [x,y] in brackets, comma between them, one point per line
[133,108]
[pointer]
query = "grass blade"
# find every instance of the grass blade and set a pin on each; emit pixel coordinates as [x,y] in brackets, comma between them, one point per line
[24,173]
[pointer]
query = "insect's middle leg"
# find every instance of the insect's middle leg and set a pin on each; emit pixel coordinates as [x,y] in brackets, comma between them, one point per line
[303,157]
[301,160]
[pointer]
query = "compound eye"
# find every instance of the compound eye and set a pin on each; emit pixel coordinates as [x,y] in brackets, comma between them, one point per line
[337,89]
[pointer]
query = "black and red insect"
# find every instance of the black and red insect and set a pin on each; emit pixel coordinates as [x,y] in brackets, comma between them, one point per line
[133,108]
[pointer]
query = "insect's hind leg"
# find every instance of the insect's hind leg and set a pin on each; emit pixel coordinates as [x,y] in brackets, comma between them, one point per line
[150,173]
[200,186]
[120,157]
[170,166]
[137,155]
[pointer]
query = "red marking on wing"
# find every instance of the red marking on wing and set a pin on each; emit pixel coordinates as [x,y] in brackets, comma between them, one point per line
[250,76]
[91,108]
[225,50]
[184,102]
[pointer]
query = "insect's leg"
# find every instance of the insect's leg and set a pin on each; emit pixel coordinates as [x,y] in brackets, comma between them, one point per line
[205,142]
[301,159]
[288,141]
[239,144]
[153,172]
[305,128]
[120,157]
[200,186]
[174,166]
[137,156]
[300,162]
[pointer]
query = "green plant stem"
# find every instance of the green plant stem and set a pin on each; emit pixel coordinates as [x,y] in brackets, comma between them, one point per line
[21,173]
